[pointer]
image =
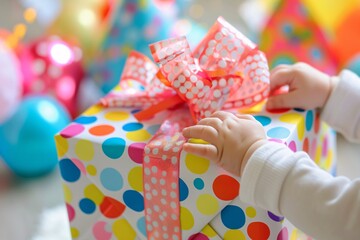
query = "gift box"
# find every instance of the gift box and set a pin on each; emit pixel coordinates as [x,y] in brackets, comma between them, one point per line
[124,173]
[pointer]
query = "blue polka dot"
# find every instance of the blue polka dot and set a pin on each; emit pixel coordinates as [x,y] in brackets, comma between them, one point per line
[184,190]
[263,120]
[153,129]
[69,171]
[111,179]
[114,147]
[85,120]
[141,225]
[309,120]
[278,132]
[198,183]
[233,217]
[132,126]
[87,206]
[134,200]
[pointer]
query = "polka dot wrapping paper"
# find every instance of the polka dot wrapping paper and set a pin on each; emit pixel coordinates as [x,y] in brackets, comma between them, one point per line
[104,160]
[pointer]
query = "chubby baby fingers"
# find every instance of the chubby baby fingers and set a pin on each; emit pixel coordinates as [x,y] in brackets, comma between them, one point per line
[208,151]
[204,132]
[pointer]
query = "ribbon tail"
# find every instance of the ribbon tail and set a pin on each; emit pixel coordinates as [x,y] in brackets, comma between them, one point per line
[163,105]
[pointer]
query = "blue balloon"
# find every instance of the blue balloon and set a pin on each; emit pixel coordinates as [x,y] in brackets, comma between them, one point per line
[27,138]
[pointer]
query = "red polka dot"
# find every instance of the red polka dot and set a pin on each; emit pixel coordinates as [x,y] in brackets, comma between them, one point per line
[279,110]
[306,145]
[258,231]
[101,130]
[317,122]
[111,208]
[70,211]
[136,152]
[72,130]
[226,188]
[198,236]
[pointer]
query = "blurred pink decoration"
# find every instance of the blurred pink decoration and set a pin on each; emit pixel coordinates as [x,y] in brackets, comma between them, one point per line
[52,66]
[10,82]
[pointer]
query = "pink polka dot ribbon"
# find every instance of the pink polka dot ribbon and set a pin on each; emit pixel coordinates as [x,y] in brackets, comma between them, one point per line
[161,176]
[225,71]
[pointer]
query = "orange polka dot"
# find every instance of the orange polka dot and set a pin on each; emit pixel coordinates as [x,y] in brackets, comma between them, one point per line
[229,192]
[111,208]
[258,231]
[306,145]
[101,130]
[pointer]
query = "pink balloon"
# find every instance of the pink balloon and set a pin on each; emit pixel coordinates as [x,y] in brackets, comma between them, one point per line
[10,82]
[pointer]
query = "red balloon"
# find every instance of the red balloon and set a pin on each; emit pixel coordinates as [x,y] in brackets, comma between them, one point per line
[52,66]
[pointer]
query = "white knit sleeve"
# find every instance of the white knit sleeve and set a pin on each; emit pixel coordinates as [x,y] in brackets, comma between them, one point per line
[342,109]
[290,184]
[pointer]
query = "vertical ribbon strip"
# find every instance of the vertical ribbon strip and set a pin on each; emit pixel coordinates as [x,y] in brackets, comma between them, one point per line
[161,178]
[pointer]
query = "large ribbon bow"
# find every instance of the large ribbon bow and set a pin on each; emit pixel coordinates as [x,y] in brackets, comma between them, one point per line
[225,71]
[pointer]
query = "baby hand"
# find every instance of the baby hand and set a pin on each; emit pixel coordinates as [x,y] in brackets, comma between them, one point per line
[308,87]
[232,139]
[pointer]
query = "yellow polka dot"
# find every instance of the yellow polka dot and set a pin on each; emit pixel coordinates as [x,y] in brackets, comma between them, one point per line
[318,155]
[254,109]
[294,234]
[295,118]
[301,129]
[207,204]
[123,230]
[209,231]
[93,110]
[196,140]
[67,193]
[196,164]
[91,169]
[250,212]
[74,232]
[186,219]
[135,179]
[139,135]
[234,234]
[292,118]
[84,149]
[329,159]
[62,145]
[117,116]
[93,193]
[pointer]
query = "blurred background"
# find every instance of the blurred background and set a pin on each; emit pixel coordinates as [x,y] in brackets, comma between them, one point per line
[58,57]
